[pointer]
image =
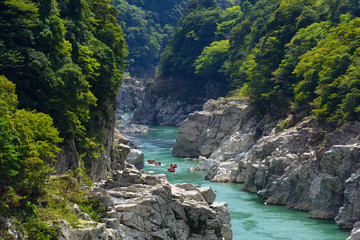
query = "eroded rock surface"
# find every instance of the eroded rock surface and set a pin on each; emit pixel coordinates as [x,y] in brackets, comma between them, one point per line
[130,95]
[136,158]
[148,207]
[155,110]
[204,131]
[141,206]
[355,233]
[303,167]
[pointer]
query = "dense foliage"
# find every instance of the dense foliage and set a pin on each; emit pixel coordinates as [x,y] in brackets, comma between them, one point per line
[28,140]
[284,55]
[65,58]
[63,55]
[194,63]
[301,60]
[147,26]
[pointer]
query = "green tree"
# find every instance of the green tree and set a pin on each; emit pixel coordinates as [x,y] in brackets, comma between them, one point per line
[28,143]
[196,30]
[329,74]
[284,78]
[209,62]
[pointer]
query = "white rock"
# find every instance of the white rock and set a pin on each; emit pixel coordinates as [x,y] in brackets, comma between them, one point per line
[136,158]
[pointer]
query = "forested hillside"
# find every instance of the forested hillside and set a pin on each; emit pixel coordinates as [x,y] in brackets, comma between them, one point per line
[284,55]
[147,27]
[65,57]
[61,63]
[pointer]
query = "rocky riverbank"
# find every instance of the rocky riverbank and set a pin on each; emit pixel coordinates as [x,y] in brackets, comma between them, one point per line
[141,206]
[294,162]
[148,207]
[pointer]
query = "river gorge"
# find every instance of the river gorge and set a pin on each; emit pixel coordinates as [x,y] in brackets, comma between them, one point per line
[250,218]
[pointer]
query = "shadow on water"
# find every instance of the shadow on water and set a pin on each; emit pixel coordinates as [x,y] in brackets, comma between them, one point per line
[251,219]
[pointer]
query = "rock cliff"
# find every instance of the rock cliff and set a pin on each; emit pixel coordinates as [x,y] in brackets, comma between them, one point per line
[204,131]
[306,166]
[130,95]
[155,110]
[69,158]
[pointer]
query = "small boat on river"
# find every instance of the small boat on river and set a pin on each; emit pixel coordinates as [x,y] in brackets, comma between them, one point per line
[171,170]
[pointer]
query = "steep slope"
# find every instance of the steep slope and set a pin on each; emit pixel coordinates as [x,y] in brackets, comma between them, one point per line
[148,26]
[294,162]
[284,56]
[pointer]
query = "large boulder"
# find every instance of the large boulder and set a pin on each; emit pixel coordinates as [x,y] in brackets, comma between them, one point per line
[141,206]
[136,158]
[148,207]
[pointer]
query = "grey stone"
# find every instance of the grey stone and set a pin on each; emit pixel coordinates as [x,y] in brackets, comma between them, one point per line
[136,158]
[130,95]
[303,166]
[209,194]
[155,110]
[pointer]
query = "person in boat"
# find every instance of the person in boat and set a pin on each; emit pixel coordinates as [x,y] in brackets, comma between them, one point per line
[175,165]
[171,169]
[159,163]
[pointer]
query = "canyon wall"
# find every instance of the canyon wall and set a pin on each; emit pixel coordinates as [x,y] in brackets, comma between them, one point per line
[294,162]
[155,110]
[130,95]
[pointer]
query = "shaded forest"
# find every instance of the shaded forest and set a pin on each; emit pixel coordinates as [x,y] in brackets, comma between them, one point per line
[61,63]
[148,26]
[283,55]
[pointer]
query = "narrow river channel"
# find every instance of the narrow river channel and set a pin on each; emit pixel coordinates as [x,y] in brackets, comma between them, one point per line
[251,219]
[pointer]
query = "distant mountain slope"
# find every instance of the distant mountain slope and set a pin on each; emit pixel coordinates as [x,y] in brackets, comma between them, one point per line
[147,26]
[285,56]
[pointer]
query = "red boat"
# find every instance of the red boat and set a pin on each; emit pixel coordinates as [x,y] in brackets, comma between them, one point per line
[171,170]
[150,161]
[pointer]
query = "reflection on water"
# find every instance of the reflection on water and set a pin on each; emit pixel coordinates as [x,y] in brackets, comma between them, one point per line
[251,219]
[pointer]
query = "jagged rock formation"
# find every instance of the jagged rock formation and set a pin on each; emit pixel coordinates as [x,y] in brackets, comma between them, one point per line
[203,131]
[155,110]
[355,233]
[303,167]
[119,152]
[130,95]
[142,206]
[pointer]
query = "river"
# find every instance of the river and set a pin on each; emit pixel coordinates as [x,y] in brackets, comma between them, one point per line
[250,218]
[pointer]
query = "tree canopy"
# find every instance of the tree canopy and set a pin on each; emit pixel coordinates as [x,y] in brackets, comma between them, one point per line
[284,55]
[65,58]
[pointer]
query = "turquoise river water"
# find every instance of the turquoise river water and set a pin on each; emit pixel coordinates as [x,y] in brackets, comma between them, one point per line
[250,218]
